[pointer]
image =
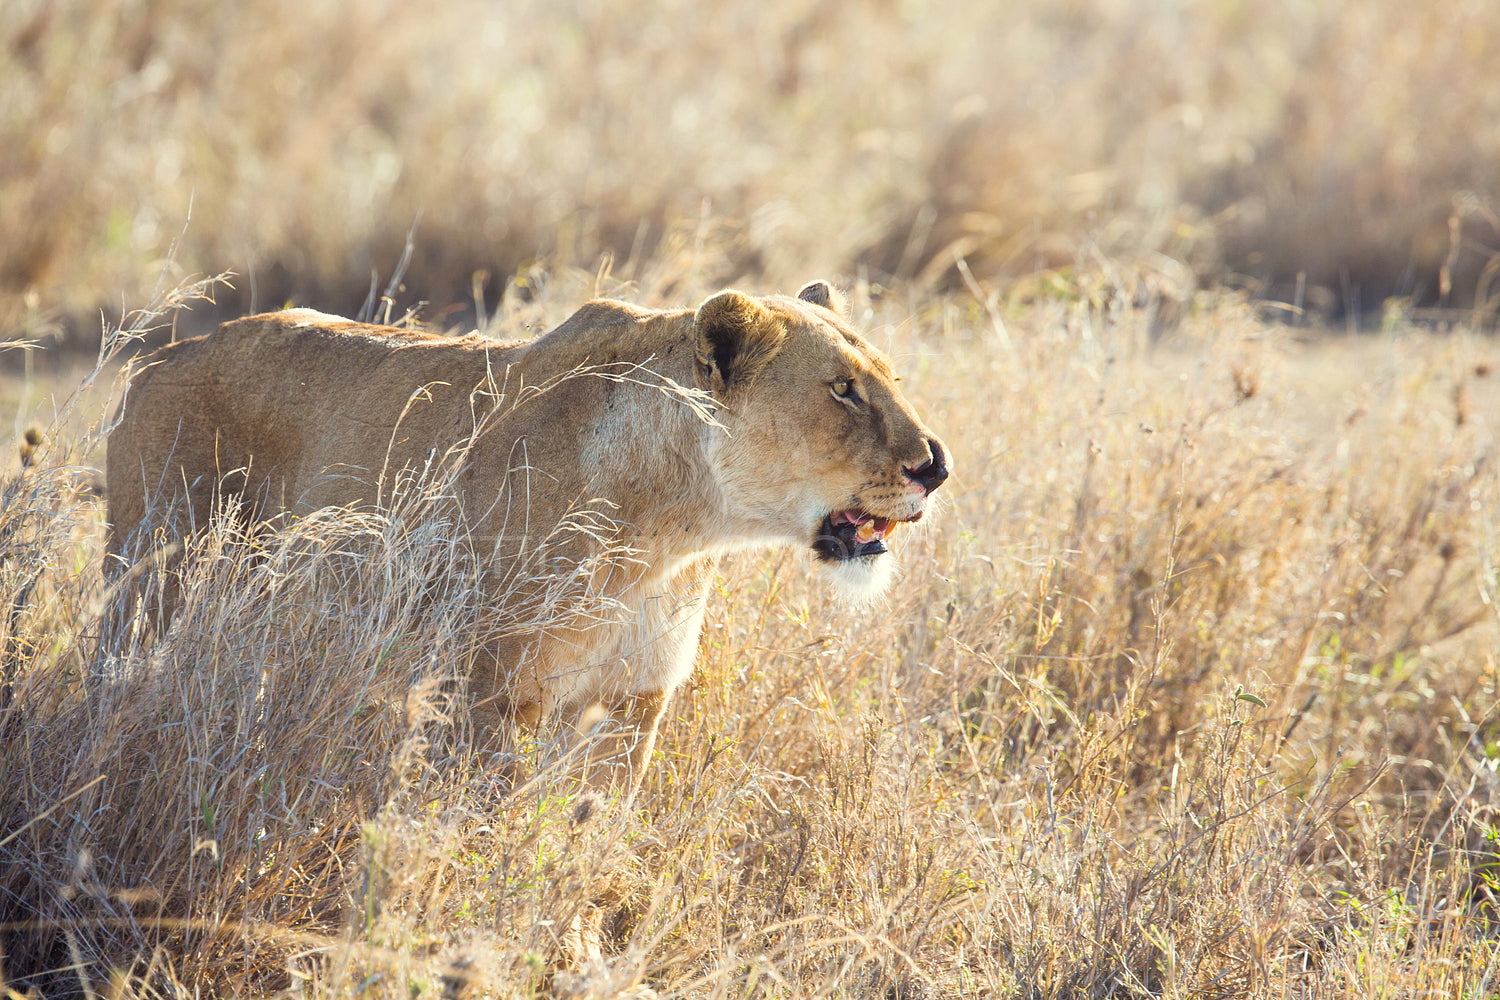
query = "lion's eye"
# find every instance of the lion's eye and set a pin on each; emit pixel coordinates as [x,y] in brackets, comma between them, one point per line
[843,389]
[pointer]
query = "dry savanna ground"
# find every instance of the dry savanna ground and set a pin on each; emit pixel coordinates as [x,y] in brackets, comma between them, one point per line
[1188,691]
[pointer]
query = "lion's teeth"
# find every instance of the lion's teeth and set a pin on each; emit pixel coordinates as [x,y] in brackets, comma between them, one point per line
[865,532]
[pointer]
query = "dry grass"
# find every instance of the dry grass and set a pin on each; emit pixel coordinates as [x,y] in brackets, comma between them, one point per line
[1190,691]
[1168,144]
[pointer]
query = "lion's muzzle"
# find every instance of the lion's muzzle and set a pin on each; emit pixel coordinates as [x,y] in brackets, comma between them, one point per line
[932,473]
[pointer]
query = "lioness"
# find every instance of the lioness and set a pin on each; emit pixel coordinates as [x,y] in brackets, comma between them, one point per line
[748,421]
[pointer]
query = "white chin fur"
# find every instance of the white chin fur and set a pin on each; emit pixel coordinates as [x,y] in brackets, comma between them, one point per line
[859,582]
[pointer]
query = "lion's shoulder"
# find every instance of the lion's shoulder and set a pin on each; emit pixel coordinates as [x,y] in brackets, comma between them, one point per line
[607,318]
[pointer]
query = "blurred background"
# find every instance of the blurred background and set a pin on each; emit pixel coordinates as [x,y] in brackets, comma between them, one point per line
[1343,157]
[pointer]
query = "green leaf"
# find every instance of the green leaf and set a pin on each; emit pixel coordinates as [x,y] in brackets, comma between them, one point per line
[1243,695]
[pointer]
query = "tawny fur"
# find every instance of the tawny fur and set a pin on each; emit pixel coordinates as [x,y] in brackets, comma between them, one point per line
[291,411]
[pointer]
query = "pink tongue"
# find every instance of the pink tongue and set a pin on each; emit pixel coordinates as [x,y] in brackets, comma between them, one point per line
[848,517]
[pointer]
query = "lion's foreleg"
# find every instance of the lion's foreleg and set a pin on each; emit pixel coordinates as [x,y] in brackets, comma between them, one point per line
[505,692]
[618,757]
[618,723]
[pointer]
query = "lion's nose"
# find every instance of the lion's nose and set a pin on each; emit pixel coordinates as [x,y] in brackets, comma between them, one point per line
[931,473]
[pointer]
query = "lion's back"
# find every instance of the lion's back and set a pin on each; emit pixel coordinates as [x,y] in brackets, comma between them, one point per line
[265,405]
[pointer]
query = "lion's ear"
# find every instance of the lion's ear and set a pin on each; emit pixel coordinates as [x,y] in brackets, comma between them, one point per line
[821,293]
[736,336]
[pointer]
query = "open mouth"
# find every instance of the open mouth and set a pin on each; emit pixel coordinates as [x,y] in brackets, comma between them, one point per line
[852,534]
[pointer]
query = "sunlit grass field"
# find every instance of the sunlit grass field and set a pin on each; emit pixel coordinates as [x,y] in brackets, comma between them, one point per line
[1188,689]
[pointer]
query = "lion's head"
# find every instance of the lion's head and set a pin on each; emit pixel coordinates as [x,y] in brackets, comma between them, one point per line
[820,448]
